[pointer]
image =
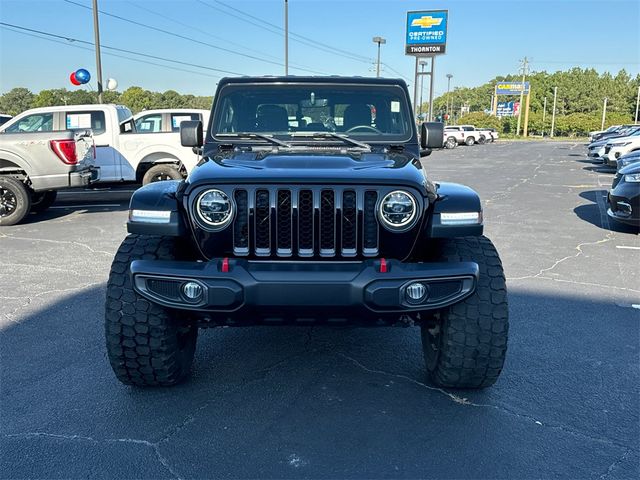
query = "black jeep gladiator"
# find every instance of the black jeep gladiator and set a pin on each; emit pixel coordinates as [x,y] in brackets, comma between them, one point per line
[309,206]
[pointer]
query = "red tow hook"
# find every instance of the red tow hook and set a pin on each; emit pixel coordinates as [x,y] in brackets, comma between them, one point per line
[225,265]
[383,266]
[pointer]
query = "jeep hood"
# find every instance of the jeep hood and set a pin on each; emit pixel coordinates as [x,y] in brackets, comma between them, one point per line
[300,168]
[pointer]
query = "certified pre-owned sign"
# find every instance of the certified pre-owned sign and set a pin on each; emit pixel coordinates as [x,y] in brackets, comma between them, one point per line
[426,32]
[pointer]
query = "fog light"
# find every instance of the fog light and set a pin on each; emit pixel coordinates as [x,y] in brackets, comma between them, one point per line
[192,290]
[416,292]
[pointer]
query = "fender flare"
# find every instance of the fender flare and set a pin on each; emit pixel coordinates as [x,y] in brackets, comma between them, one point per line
[158,196]
[454,198]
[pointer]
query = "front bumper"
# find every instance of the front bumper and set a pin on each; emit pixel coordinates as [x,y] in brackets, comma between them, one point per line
[623,203]
[242,290]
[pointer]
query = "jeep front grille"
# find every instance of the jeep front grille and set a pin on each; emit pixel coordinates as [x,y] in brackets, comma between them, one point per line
[305,222]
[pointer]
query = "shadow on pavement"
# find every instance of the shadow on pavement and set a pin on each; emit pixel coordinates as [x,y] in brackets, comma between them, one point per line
[292,402]
[593,213]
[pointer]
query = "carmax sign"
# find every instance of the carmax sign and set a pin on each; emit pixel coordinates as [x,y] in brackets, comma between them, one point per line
[426,33]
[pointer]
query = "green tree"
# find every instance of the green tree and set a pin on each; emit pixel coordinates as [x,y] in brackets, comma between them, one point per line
[16,100]
[138,99]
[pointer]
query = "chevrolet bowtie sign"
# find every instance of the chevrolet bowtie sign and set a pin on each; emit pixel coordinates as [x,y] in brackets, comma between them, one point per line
[426,33]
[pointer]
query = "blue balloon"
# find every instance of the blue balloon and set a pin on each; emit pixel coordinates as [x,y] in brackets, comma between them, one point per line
[83,76]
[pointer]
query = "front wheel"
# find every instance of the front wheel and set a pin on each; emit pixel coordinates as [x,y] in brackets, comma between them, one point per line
[465,345]
[147,345]
[161,172]
[470,141]
[15,201]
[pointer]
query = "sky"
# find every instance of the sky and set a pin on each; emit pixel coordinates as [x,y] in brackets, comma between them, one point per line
[485,38]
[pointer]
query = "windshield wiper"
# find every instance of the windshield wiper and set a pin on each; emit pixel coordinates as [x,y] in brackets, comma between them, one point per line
[340,136]
[254,136]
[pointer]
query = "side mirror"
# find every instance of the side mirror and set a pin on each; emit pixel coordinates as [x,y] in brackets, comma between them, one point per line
[431,135]
[191,133]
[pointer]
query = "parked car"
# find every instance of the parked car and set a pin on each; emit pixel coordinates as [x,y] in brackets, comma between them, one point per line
[620,131]
[36,162]
[615,148]
[334,223]
[452,137]
[596,149]
[467,134]
[627,159]
[168,119]
[4,119]
[122,154]
[595,133]
[624,197]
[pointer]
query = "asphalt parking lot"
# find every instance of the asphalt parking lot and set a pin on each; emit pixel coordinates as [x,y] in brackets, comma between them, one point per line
[334,403]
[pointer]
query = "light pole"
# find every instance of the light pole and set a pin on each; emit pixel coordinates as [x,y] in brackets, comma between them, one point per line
[637,104]
[379,41]
[449,77]
[422,63]
[96,33]
[524,75]
[286,37]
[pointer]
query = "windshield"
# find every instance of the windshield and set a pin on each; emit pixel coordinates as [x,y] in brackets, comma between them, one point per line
[364,112]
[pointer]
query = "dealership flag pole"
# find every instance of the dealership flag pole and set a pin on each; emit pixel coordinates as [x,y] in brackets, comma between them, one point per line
[96,33]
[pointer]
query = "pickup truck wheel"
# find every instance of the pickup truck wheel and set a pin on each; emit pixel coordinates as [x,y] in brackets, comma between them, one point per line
[159,173]
[466,346]
[482,140]
[451,143]
[470,141]
[15,201]
[41,201]
[147,344]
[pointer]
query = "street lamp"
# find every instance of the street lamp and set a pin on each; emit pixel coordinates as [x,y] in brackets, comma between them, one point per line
[422,63]
[449,77]
[379,41]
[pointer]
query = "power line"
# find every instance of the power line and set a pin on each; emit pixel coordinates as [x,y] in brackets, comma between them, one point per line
[137,60]
[178,35]
[277,30]
[346,52]
[145,55]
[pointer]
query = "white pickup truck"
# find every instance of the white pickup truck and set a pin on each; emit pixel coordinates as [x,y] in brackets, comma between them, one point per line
[468,134]
[122,153]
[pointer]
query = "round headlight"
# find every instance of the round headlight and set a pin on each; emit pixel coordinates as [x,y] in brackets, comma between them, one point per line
[397,210]
[214,209]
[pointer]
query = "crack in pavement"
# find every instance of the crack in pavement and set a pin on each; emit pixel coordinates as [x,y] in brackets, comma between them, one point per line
[9,316]
[61,242]
[612,467]
[578,247]
[588,284]
[465,402]
[155,446]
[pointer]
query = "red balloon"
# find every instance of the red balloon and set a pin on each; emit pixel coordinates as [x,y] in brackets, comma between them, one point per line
[73,79]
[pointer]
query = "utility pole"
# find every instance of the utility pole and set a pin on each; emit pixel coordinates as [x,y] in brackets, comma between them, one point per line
[553,115]
[415,90]
[433,61]
[423,63]
[494,102]
[449,76]
[379,41]
[604,113]
[96,34]
[637,104]
[544,115]
[524,74]
[286,37]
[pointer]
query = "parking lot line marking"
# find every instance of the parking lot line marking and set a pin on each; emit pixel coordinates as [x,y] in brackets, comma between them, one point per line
[625,247]
[89,206]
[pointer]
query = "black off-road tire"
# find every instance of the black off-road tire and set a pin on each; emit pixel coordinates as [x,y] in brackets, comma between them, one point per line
[161,172]
[466,344]
[451,143]
[15,201]
[469,141]
[41,201]
[147,344]
[482,140]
